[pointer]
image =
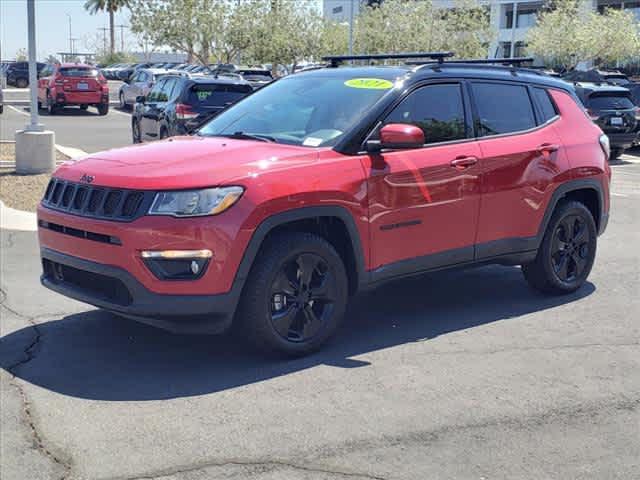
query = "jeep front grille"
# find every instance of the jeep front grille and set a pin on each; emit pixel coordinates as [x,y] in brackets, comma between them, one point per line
[122,205]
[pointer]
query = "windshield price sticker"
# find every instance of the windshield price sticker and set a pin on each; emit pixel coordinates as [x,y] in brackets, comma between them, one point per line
[369,83]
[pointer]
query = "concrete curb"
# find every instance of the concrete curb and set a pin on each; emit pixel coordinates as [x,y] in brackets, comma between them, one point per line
[12,219]
[72,153]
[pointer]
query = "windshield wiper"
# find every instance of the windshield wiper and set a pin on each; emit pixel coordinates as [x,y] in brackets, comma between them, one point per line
[248,136]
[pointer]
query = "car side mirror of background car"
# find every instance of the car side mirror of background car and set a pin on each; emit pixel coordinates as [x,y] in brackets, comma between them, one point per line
[141,99]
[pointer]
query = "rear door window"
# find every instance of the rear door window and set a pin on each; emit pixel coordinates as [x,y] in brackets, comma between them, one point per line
[216,95]
[609,102]
[502,108]
[437,109]
[155,92]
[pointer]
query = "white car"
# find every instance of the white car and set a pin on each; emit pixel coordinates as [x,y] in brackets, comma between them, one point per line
[140,84]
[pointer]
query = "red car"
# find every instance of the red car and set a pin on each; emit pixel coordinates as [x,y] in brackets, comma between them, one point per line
[326,183]
[65,84]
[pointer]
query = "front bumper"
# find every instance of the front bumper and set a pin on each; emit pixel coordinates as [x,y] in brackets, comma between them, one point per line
[115,289]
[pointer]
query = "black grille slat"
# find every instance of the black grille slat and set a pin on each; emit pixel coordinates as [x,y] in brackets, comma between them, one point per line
[80,197]
[67,194]
[57,191]
[95,200]
[131,203]
[98,202]
[75,232]
[111,202]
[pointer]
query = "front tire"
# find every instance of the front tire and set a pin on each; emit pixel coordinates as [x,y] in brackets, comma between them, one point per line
[567,252]
[52,107]
[615,153]
[295,296]
[135,131]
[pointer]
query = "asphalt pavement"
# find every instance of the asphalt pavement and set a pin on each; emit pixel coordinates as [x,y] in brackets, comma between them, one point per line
[82,129]
[465,375]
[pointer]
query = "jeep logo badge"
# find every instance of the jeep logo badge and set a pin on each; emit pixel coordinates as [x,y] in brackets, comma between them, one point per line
[87,178]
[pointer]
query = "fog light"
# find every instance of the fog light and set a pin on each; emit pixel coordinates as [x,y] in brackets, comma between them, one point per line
[177,264]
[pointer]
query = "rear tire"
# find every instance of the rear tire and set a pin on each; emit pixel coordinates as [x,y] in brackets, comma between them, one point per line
[22,83]
[84,107]
[123,104]
[52,107]
[163,133]
[615,153]
[295,295]
[103,109]
[567,252]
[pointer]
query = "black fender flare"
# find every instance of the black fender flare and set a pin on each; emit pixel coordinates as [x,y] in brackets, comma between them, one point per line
[278,219]
[562,191]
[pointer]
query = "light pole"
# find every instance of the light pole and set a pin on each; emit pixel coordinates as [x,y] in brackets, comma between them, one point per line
[351,27]
[70,39]
[34,145]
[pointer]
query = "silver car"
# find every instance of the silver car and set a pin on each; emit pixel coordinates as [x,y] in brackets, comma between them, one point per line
[140,84]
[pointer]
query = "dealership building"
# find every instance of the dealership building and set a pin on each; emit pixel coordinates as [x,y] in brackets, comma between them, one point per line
[510,19]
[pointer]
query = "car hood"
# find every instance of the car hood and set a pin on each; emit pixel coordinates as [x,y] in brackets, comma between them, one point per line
[185,162]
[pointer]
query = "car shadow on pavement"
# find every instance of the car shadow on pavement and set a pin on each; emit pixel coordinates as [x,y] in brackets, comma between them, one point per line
[67,112]
[96,355]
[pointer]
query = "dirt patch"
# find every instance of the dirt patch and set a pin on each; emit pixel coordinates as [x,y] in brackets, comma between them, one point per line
[23,192]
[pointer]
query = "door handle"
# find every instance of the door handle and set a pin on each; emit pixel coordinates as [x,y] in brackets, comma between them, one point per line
[462,162]
[548,148]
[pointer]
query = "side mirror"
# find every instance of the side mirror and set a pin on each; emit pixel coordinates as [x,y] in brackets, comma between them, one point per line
[141,99]
[399,136]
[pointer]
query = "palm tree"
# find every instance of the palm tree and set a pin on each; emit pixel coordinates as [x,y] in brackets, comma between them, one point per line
[111,6]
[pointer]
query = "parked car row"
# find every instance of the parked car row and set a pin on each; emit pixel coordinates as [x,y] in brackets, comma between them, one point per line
[178,104]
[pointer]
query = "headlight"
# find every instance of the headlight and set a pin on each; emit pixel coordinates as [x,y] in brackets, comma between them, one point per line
[193,203]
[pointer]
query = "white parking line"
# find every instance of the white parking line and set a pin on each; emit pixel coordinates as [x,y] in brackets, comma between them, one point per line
[614,194]
[21,112]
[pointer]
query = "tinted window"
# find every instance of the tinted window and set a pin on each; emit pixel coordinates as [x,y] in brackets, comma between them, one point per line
[307,110]
[609,102]
[437,109]
[154,94]
[78,72]
[167,90]
[502,108]
[217,95]
[544,102]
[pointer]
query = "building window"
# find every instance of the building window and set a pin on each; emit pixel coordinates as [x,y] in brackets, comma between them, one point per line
[520,49]
[505,50]
[337,10]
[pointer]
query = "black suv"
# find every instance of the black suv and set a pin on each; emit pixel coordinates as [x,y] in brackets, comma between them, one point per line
[612,109]
[612,77]
[177,105]
[18,73]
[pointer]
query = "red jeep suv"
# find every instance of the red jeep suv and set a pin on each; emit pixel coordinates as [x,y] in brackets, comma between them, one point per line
[66,84]
[325,183]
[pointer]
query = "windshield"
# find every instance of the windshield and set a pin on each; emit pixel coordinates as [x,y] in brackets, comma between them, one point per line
[301,110]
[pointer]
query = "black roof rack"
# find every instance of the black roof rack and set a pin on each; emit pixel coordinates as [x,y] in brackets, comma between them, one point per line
[485,61]
[336,60]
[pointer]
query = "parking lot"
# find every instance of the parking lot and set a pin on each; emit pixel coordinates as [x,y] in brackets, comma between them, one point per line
[466,375]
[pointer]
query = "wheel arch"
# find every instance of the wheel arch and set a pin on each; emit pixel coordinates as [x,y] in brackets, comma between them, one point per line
[334,223]
[586,191]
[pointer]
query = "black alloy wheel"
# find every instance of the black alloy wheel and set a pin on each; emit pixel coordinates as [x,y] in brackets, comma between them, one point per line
[570,248]
[302,297]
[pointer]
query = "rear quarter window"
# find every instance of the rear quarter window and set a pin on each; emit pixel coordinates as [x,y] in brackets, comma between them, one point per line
[609,102]
[216,95]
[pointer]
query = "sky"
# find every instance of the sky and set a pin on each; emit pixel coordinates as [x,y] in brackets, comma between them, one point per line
[52,26]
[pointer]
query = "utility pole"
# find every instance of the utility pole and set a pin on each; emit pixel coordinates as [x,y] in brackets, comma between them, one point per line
[104,39]
[351,27]
[122,27]
[70,39]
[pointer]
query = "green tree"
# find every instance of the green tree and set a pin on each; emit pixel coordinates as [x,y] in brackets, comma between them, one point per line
[401,26]
[111,7]
[566,34]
